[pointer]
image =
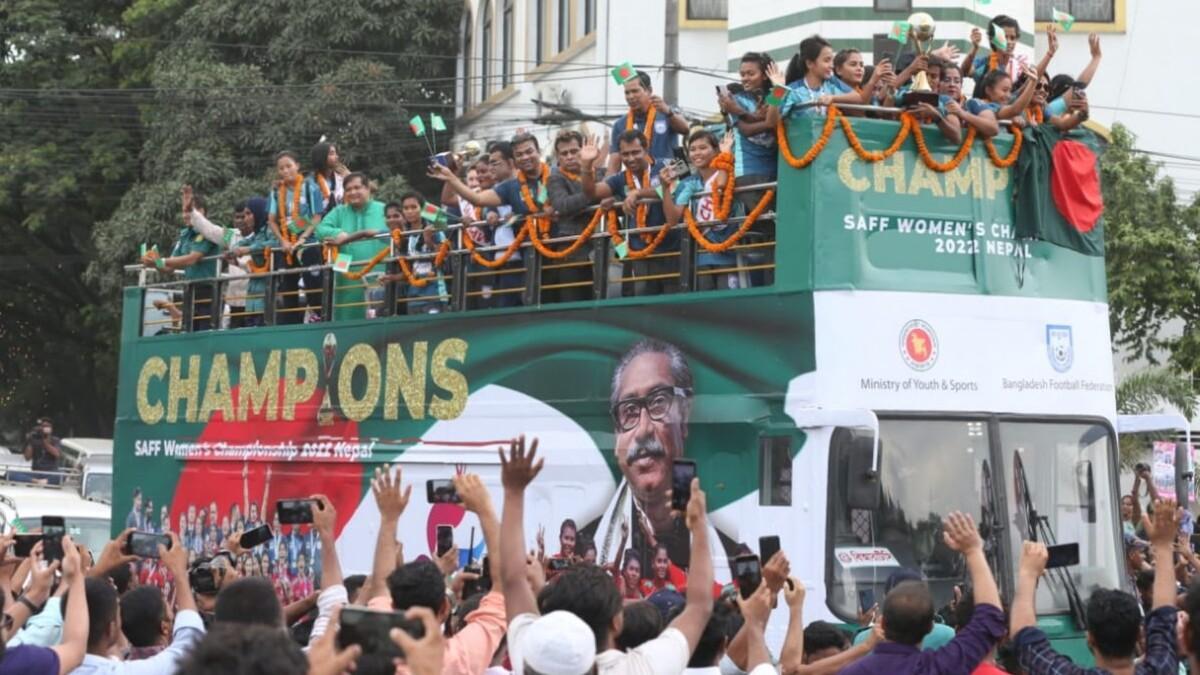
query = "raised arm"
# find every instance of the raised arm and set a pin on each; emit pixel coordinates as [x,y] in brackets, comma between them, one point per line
[1089,71]
[1051,48]
[480,198]
[517,471]
[75,622]
[1162,530]
[1033,563]
[392,499]
[324,520]
[968,62]
[475,498]
[962,536]
[1018,106]
[694,618]
[756,609]
[793,642]
[587,175]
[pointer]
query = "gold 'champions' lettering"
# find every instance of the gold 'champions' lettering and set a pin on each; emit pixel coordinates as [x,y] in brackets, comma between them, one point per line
[190,388]
[903,174]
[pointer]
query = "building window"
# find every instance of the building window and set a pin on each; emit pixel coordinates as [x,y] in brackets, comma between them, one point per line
[1084,11]
[707,10]
[564,24]
[506,45]
[468,58]
[485,53]
[775,471]
[589,16]
[539,30]
[893,5]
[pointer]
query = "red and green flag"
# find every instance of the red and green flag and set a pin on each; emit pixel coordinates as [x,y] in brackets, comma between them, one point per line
[1063,19]
[900,31]
[776,95]
[417,125]
[624,72]
[433,215]
[1057,185]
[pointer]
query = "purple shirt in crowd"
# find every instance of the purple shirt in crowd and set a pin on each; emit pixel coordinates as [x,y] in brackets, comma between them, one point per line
[959,656]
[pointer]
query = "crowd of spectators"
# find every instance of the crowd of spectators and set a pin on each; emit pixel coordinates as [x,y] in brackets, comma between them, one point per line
[525,613]
[654,169]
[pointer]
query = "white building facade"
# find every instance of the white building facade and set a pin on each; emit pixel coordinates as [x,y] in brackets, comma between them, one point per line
[559,52]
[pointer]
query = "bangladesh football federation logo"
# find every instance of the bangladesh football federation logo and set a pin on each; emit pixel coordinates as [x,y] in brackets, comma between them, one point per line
[1060,347]
[918,345]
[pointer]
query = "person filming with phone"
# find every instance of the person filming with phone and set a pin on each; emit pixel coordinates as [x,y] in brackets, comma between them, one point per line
[44,451]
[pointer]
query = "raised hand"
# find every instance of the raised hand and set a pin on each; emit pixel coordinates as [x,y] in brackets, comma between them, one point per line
[793,593]
[324,658]
[390,498]
[439,172]
[174,558]
[324,514]
[775,75]
[1051,40]
[448,562]
[727,143]
[960,533]
[519,469]
[757,608]
[775,571]
[474,494]
[1033,560]
[590,151]
[697,508]
[39,578]
[659,103]
[1094,44]
[1163,525]
[113,553]
[976,38]
[426,655]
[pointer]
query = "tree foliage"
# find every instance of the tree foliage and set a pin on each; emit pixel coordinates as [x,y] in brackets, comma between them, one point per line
[1152,259]
[108,106]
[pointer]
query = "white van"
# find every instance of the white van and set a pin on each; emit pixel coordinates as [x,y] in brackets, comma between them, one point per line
[22,507]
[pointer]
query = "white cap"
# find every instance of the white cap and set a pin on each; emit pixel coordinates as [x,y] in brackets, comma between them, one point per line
[558,643]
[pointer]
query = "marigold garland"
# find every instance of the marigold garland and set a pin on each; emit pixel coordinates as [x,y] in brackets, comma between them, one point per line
[906,125]
[540,221]
[504,255]
[586,234]
[642,210]
[259,269]
[720,247]
[723,194]
[284,217]
[817,146]
[923,150]
[1006,162]
[1037,114]
[438,260]
[652,242]
[648,132]
[573,177]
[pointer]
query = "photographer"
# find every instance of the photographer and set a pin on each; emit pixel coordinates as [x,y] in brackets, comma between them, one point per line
[44,449]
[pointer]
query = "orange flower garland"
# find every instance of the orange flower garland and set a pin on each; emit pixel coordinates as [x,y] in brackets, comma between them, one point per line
[573,177]
[504,255]
[906,124]
[720,247]
[723,195]
[284,217]
[923,150]
[651,242]
[541,222]
[817,147]
[1005,162]
[259,269]
[1037,114]
[648,131]
[642,210]
[438,260]
[586,234]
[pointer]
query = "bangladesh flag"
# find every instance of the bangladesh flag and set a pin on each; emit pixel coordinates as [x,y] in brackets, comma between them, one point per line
[1058,198]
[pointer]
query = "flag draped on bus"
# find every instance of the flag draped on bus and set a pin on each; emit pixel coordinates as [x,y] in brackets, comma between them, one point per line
[1057,195]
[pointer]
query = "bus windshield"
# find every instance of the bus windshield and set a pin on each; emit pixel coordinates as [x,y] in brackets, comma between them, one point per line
[1060,475]
[928,468]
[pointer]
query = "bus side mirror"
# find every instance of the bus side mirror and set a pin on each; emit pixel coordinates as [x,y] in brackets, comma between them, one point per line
[863,490]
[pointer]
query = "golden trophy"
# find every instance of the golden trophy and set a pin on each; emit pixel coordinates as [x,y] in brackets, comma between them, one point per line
[921,33]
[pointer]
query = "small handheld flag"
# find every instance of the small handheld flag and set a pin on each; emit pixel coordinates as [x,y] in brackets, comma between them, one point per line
[1000,42]
[433,215]
[622,250]
[436,121]
[776,95]
[1063,19]
[142,253]
[542,196]
[899,31]
[624,72]
[417,125]
[342,264]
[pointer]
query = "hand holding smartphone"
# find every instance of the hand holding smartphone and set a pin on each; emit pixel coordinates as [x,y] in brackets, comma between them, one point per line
[682,473]
[53,529]
[257,536]
[145,544]
[441,492]
[369,629]
[748,571]
[294,511]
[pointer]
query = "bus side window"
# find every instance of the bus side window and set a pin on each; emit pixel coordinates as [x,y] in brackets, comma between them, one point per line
[775,477]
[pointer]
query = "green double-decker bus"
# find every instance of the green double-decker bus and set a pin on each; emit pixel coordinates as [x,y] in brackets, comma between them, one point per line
[908,355]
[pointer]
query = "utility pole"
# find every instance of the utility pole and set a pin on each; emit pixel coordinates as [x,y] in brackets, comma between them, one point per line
[670,88]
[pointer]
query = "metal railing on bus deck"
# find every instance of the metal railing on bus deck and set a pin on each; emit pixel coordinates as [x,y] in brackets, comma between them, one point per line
[466,282]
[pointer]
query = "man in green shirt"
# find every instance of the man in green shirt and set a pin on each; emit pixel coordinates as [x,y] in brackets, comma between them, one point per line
[196,256]
[352,226]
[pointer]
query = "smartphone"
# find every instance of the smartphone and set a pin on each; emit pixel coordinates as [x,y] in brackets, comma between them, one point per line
[1062,555]
[479,585]
[682,473]
[734,88]
[441,492]
[680,165]
[768,547]
[145,544]
[294,511]
[369,629]
[866,600]
[559,564]
[748,571]
[202,579]
[23,544]
[445,539]
[442,158]
[718,88]
[256,537]
[53,529]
